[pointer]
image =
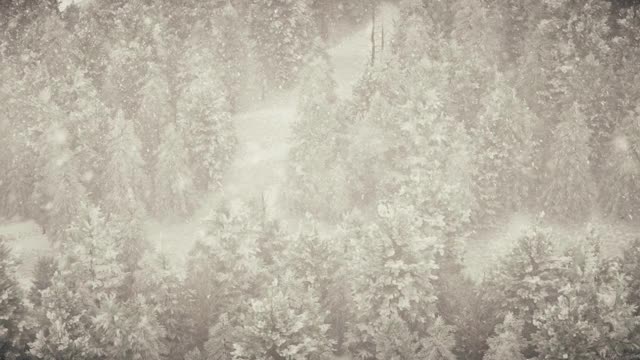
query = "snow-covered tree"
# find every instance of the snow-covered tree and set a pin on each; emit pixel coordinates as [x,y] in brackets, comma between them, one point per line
[204,110]
[128,330]
[392,271]
[12,308]
[87,274]
[173,183]
[316,173]
[285,322]
[124,179]
[282,31]
[591,317]
[159,282]
[569,190]
[319,262]
[83,315]
[620,190]
[529,277]
[508,343]
[58,190]
[439,343]
[223,270]
[506,152]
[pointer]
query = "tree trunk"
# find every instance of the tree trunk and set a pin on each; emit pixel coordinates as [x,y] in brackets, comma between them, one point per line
[373,33]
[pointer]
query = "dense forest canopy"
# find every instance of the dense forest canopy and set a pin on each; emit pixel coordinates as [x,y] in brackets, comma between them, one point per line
[116,113]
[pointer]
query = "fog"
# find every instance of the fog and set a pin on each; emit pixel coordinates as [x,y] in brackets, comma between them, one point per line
[319,179]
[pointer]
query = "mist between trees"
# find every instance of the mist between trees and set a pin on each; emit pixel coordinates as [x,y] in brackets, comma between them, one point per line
[324,223]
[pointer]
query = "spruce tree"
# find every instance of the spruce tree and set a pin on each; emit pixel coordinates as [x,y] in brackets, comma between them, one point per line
[568,189]
[173,183]
[124,179]
[12,309]
[314,154]
[620,188]
[282,31]
[507,343]
[286,321]
[506,152]
[58,190]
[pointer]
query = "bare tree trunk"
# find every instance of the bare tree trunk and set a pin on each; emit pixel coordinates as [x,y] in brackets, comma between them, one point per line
[373,33]
[382,40]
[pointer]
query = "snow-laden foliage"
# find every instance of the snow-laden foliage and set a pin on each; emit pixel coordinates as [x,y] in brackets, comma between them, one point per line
[12,308]
[116,112]
[569,188]
[508,343]
[282,31]
[285,322]
[316,175]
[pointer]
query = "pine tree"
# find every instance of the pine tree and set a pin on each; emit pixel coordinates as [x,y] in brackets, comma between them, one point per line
[286,321]
[591,317]
[508,343]
[58,190]
[529,278]
[440,342]
[173,184]
[282,31]
[88,273]
[319,262]
[128,330]
[204,110]
[568,186]
[620,191]
[12,309]
[124,178]
[506,151]
[42,277]
[220,343]
[230,45]
[158,281]
[154,112]
[393,268]
[83,315]
[314,154]
[223,270]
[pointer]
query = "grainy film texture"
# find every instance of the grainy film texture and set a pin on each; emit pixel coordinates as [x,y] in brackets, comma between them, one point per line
[319,179]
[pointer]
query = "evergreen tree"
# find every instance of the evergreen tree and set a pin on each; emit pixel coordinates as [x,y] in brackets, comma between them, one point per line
[319,262]
[42,277]
[282,31]
[83,314]
[173,184]
[223,270]
[620,192]
[440,342]
[12,309]
[58,190]
[392,284]
[124,178]
[508,343]
[590,317]
[506,151]
[286,321]
[204,110]
[528,279]
[569,188]
[158,281]
[314,155]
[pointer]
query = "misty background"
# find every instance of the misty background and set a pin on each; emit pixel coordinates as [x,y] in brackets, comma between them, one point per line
[319,179]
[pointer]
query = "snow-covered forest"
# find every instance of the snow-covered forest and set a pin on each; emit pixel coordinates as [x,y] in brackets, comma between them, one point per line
[319,179]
